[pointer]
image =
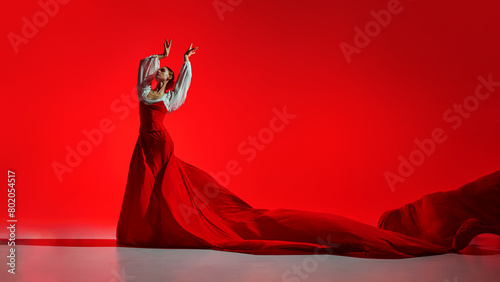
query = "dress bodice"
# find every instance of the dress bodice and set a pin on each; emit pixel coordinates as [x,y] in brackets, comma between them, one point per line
[152,116]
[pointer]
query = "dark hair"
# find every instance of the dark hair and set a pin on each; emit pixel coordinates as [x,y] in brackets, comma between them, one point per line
[170,83]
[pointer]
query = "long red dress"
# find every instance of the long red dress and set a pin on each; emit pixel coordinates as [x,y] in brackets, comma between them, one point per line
[170,203]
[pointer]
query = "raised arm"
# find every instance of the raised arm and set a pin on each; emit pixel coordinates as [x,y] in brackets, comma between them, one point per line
[178,94]
[148,67]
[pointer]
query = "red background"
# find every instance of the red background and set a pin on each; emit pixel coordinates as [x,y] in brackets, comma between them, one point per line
[352,121]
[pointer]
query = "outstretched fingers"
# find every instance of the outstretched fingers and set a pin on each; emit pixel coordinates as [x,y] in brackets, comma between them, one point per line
[190,51]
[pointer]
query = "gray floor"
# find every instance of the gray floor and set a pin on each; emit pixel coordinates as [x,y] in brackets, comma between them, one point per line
[61,263]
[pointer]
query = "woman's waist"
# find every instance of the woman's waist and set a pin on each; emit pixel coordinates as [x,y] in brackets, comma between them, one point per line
[155,126]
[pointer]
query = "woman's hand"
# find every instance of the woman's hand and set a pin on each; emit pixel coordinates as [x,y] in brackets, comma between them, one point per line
[189,52]
[166,47]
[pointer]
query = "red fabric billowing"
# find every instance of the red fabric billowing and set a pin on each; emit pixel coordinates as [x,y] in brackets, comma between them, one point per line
[437,217]
[170,203]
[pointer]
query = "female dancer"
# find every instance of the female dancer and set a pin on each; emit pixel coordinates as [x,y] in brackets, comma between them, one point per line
[170,203]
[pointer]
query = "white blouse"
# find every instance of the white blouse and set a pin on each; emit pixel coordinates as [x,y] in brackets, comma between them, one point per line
[173,99]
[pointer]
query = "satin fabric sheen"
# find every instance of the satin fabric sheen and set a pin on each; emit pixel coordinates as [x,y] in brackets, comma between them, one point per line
[169,203]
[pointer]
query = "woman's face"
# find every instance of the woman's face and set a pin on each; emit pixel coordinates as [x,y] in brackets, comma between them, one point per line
[163,75]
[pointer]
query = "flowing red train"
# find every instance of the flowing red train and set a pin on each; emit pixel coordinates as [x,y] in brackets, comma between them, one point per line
[169,203]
